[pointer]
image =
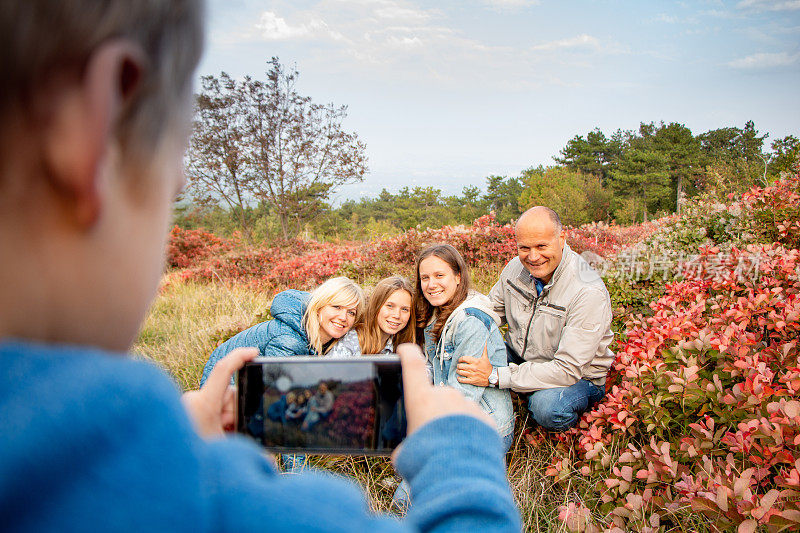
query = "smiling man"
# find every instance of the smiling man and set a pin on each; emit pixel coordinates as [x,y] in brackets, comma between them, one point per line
[559,326]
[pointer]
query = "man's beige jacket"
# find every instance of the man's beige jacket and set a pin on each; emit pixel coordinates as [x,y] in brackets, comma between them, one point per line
[563,334]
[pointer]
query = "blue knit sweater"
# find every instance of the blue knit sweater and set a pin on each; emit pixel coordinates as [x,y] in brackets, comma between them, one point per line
[93,441]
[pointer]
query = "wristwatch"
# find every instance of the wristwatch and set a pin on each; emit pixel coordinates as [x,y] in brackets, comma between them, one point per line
[493,378]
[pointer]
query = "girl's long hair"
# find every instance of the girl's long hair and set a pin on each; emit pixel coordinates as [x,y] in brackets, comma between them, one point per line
[422,307]
[335,291]
[369,333]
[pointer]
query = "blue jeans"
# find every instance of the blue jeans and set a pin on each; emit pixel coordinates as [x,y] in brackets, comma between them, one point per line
[559,409]
[294,463]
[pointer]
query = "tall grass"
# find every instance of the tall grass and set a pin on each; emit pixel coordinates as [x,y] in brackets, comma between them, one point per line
[187,321]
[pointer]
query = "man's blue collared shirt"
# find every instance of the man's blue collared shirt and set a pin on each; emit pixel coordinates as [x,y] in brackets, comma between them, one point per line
[539,284]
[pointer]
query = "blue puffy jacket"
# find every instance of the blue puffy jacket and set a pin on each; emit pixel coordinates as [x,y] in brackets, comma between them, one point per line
[284,335]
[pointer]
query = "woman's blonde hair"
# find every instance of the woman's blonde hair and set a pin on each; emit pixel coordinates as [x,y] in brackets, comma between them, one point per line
[336,291]
[369,334]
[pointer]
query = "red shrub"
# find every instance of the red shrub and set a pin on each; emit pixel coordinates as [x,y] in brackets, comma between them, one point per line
[487,243]
[353,414]
[482,243]
[292,264]
[702,415]
[774,211]
[607,239]
[188,248]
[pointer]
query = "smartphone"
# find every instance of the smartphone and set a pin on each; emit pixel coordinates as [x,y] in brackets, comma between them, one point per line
[311,404]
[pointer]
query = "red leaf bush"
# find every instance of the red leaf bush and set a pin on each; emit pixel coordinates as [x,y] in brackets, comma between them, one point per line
[488,243]
[700,415]
[188,248]
[353,414]
[485,242]
[293,264]
[774,211]
[202,256]
[607,239]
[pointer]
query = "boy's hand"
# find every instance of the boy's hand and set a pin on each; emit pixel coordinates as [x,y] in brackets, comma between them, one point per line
[213,407]
[424,402]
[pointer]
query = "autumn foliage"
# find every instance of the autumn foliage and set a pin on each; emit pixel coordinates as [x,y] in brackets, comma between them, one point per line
[292,264]
[201,256]
[188,248]
[701,416]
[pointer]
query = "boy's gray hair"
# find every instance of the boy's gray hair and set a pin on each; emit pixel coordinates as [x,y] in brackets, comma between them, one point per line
[46,42]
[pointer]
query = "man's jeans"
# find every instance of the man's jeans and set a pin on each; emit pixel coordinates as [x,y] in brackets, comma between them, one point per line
[560,409]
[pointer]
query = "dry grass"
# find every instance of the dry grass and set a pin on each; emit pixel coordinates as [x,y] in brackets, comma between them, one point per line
[186,323]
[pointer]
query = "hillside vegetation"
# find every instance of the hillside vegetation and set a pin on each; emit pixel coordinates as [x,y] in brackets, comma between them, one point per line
[700,427]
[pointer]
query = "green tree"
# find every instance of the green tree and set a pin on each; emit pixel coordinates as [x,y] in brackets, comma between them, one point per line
[421,206]
[467,207]
[502,197]
[577,197]
[658,166]
[734,158]
[640,182]
[785,155]
[683,158]
[596,154]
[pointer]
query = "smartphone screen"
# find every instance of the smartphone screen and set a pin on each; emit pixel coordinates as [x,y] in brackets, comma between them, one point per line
[320,405]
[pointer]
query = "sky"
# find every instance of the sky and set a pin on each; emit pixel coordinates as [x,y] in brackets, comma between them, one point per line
[447,93]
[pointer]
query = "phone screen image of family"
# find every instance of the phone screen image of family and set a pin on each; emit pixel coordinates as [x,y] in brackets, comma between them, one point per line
[323,405]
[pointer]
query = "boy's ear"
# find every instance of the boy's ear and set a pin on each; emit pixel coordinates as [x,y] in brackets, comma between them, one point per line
[81,126]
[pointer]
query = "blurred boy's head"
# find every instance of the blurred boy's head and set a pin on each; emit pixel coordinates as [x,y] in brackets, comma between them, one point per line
[95,106]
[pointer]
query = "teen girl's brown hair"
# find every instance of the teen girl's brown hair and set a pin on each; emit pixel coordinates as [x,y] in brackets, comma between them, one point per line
[422,307]
[369,334]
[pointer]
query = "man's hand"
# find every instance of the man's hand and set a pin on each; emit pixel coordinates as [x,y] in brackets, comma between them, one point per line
[213,408]
[424,402]
[475,370]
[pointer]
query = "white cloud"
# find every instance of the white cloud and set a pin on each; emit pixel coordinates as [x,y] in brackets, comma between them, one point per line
[271,27]
[400,38]
[725,15]
[669,19]
[765,61]
[769,5]
[405,42]
[579,41]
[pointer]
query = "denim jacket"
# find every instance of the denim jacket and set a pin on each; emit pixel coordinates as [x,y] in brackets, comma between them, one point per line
[468,328]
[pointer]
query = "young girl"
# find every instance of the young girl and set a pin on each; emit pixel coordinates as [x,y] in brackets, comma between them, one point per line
[454,321]
[301,324]
[388,321]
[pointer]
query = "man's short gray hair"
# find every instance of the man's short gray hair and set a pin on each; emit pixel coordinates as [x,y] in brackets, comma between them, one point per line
[46,42]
